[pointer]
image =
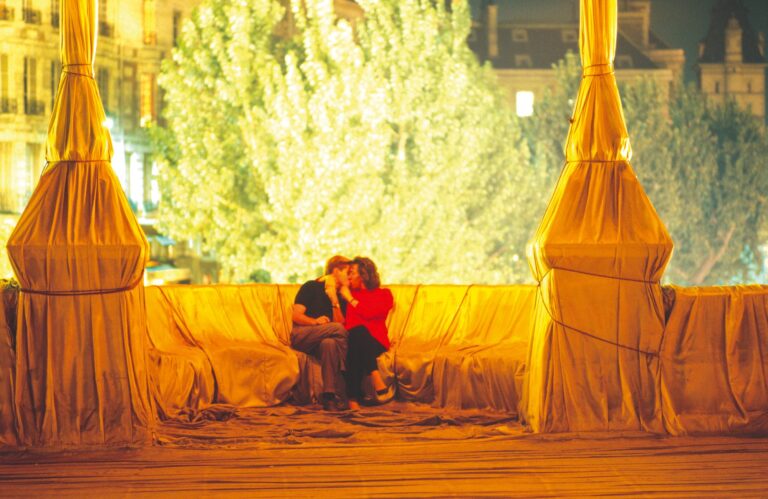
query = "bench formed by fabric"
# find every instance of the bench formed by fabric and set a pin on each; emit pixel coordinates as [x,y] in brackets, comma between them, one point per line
[460,346]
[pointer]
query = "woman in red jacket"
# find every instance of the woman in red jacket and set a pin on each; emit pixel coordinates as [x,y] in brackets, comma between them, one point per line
[368,305]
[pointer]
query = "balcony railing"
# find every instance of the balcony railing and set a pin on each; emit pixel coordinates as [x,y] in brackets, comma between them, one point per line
[106,29]
[34,107]
[31,16]
[6,13]
[7,106]
[55,19]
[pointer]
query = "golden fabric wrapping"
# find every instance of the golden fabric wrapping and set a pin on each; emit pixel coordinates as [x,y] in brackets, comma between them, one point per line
[8,305]
[79,255]
[454,346]
[714,361]
[598,255]
[218,344]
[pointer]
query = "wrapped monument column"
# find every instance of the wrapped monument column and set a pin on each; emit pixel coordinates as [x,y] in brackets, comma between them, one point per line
[598,256]
[79,255]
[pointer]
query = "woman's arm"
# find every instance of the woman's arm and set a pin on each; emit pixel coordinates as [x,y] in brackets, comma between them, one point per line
[374,305]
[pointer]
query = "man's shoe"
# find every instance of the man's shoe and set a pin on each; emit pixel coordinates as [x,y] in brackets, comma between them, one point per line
[341,404]
[333,403]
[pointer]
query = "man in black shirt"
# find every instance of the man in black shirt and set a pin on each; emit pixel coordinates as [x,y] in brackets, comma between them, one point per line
[318,330]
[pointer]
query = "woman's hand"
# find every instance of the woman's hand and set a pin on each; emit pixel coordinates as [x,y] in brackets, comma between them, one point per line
[322,320]
[330,290]
[346,293]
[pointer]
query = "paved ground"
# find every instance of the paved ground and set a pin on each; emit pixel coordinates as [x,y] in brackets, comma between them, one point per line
[397,451]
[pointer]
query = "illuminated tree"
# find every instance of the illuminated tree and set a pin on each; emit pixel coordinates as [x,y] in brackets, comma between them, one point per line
[703,167]
[387,140]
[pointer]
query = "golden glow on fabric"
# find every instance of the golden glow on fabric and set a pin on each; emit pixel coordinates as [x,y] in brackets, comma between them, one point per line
[81,358]
[598,255]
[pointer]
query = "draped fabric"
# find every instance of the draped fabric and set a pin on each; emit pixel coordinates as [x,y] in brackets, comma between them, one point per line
[714,361]
[598,255]
[8,304]
[454,346]
[218,349]
[79,255]
[218,344]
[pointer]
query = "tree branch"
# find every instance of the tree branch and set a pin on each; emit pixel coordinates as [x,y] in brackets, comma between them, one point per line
[709,263]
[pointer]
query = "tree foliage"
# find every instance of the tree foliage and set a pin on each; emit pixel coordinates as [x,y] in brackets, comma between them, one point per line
[703,168]
[387,139]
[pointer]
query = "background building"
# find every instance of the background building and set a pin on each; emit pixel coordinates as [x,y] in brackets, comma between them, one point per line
[522,53]
[732,59]
[128,58]
[129,54]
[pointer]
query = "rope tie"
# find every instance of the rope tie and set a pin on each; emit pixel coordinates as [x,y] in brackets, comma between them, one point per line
[586,70]
[48,163]
[595,160]
[581,331]
[75,292]
[64,70]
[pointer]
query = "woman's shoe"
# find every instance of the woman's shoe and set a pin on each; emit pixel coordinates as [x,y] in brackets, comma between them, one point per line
[386,395]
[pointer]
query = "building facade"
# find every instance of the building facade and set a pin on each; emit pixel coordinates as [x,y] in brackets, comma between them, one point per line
[523,53]
[128,58]
[732,59]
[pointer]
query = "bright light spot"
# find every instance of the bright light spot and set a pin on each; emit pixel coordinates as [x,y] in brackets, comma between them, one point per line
[109,123]
[524,103]
[515,258]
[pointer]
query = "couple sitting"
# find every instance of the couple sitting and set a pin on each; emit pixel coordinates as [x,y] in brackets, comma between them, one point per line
[340,319]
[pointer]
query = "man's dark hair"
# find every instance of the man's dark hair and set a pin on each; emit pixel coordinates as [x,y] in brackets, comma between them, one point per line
[368,272]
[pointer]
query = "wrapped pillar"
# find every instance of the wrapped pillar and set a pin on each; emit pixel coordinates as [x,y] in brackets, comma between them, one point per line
[598,256]
[79,255]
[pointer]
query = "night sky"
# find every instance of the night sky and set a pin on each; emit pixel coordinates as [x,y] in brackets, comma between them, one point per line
[681,23]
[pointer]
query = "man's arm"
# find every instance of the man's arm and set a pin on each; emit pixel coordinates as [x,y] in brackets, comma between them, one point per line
[299,317]
[330,291]
[337,315]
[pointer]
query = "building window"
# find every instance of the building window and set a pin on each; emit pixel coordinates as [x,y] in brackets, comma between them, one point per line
[55,77]
[136,182]
[34,164]
[147,104]
[624,62]
[31,104]
[55,13]
[523,61]
[7,195]
[717,87]
[524,103]
[29,13]
[519,35]
[102,80]
[129,107]
[150,22]
[6,106]
[160,106]
[6,13]
[176,26]
[570,36]
[105,28]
